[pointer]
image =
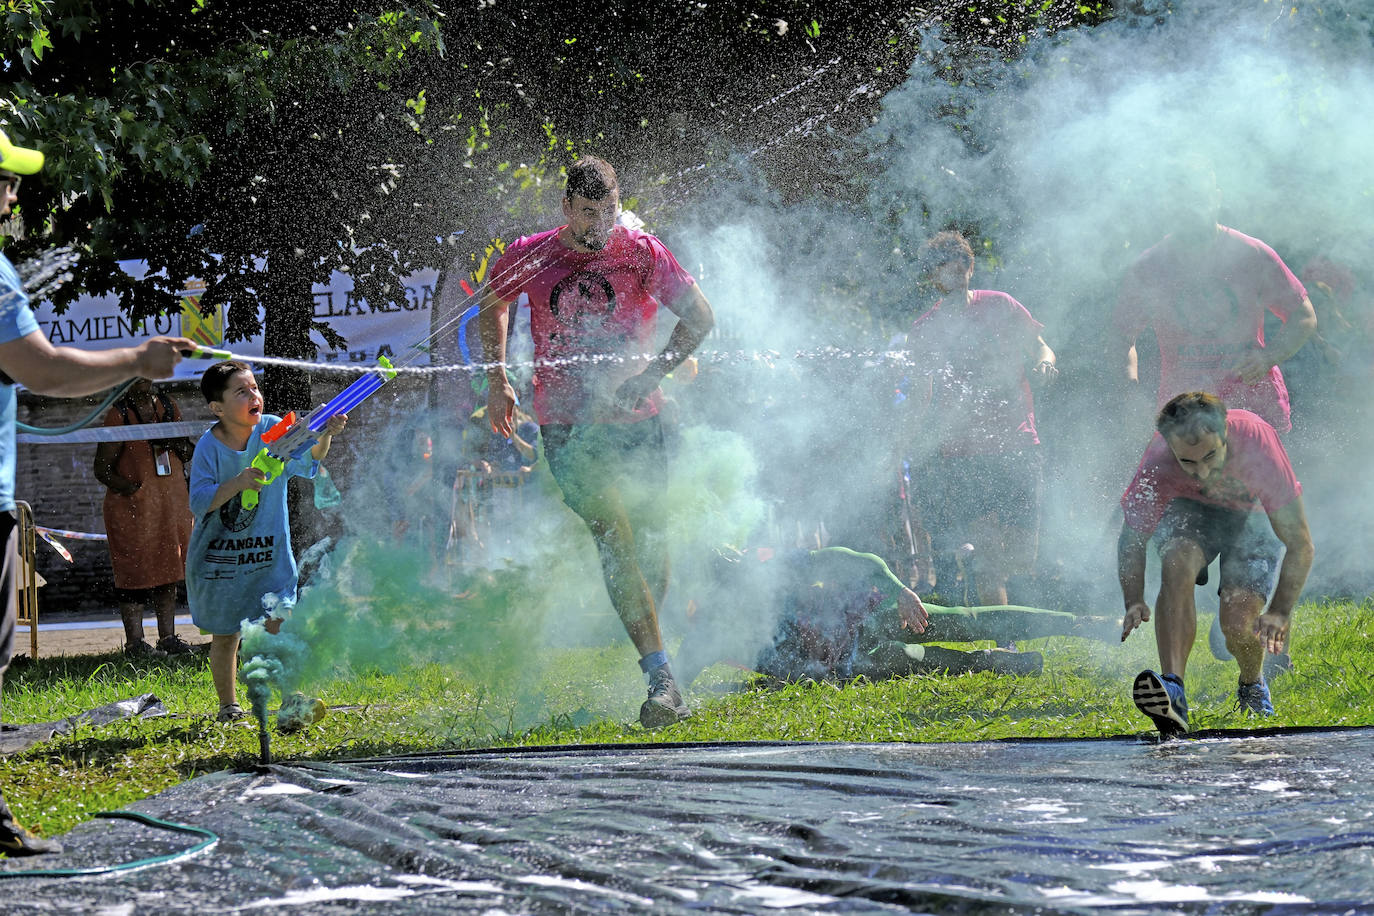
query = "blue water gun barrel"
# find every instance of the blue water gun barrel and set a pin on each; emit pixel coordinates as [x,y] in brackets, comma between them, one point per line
[353,395]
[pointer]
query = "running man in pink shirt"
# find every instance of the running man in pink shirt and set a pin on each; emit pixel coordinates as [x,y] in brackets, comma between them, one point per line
[1203,489]
[973,354]
[594,290]
[1204,290]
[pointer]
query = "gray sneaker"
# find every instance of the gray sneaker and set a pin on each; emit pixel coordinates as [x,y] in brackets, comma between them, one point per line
[231,712]
[664,705]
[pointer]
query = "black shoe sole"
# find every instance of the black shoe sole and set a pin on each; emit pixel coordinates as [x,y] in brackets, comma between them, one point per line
[1152,698]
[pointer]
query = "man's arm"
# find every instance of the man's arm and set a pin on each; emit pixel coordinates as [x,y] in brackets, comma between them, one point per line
[695,321]
[1290,525]
[1289,340]
[1130,570]
[67,372]
[492,318]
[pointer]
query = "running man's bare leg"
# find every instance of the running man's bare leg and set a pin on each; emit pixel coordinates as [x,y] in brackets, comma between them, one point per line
[1175,611]
[1240,608]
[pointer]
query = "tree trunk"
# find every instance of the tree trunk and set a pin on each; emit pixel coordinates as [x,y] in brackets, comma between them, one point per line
[289,308]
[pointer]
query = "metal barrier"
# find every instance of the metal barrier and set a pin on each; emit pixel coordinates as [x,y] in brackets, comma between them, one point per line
[26,578]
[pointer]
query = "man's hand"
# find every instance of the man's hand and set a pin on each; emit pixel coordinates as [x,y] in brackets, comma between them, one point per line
[1272,630]
[1253,368]
[912,612]
[156,358]
[1044,372]
[1136,614]
[501,409]
[634,390]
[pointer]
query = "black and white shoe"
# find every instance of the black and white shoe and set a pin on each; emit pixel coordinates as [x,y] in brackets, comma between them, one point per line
[1161,698]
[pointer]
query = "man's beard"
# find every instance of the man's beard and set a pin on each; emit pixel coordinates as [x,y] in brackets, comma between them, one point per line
[593,242]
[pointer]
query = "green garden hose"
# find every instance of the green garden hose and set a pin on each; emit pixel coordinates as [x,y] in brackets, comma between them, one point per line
[210,839]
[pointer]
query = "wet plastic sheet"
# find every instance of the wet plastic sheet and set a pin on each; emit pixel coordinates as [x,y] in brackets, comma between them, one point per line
[1278,823]
[15,738]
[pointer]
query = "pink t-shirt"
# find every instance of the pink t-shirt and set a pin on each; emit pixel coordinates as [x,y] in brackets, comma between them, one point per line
[592,315]
[976,359]
[1256,476]
[1205,321]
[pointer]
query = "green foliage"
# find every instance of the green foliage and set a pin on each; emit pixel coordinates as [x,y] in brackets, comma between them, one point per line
[592,695]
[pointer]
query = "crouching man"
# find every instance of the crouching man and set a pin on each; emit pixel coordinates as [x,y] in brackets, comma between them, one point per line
[1204,488]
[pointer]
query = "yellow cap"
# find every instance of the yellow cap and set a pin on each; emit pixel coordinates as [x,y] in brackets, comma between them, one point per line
[19,159]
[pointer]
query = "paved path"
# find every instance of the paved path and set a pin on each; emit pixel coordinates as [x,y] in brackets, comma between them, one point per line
[93,633]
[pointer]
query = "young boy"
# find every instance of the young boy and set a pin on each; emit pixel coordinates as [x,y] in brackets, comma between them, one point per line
[239,554]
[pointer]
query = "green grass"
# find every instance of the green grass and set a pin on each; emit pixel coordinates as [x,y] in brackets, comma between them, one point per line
[592,696]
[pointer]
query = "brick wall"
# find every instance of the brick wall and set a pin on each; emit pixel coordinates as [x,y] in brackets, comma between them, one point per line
[59,482]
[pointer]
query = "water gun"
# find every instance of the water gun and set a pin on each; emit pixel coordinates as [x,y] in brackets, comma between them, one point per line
[290,437]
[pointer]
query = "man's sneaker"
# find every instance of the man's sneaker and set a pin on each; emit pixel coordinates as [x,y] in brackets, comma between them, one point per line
[1254,698]
[174,645]
[15,841]
[141,650]
[664,705]
[1009,661]
[1162,699]
[231,712]
[298,710]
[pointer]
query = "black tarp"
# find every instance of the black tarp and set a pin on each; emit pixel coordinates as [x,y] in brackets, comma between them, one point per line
[16,738]
[1279,823]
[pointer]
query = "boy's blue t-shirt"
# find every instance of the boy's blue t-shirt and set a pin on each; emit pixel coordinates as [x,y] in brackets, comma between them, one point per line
[238,555]
[16,321]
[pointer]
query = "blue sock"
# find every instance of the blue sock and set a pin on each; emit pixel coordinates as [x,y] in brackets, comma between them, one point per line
[653,660]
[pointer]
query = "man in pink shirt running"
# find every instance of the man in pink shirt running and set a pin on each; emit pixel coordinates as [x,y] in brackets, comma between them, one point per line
[1204,290]
[973,355]
[594,290]
[1203,489]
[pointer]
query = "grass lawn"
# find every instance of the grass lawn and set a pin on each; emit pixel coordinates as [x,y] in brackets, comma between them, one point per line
[592,696]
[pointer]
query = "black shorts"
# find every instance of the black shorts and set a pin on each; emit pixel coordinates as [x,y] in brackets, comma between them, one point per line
[952,493]
[1249,550]
[594,462]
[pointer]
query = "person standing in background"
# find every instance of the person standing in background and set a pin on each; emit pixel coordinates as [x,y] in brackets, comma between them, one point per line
[979,474]
[147,518]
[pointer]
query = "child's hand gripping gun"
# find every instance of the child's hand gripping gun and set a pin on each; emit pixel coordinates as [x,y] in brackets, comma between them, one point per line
[291,437]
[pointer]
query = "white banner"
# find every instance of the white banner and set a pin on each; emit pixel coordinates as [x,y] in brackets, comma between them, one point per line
[98,323]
